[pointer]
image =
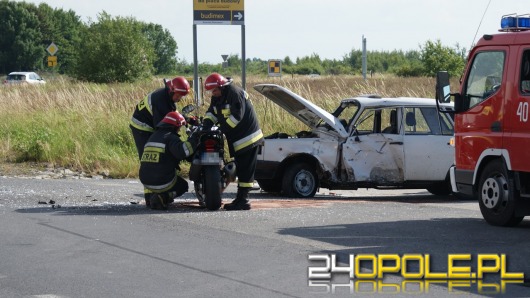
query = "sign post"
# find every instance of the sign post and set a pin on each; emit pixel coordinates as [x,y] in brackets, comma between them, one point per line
[52,50]
[275,68]
[218,12]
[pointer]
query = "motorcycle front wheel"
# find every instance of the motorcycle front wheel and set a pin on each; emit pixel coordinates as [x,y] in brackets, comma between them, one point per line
[212,187]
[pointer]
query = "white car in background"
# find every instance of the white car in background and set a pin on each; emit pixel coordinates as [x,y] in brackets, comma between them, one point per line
[367,142]
[23,77]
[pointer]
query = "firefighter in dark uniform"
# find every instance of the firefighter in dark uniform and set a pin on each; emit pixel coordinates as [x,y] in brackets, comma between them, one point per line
[152,109]
[160,160]
[231,109]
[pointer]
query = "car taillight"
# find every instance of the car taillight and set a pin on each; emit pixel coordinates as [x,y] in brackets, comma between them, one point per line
[209,145]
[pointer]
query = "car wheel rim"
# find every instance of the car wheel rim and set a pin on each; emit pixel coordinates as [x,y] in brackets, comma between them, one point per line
[304,182]
[494,191]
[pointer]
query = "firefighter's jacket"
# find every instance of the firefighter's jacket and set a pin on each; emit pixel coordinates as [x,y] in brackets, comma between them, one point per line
[152,109]
[162,155]
[235,115]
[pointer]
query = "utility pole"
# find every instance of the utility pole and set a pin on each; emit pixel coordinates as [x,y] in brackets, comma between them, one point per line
[364,58]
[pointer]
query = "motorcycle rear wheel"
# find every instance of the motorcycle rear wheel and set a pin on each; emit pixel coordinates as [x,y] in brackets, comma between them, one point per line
[212,187]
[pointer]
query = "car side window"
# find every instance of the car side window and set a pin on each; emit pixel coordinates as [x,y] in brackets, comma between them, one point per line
[378,121]
[389,121]
[365,123]
[423,121]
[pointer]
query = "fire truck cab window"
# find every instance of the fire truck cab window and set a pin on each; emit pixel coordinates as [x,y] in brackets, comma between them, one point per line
[525,73]
[485,77]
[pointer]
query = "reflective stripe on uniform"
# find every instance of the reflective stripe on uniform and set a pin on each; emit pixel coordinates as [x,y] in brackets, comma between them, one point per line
[188,149]
[211,117]
[245,184]
[163,187]
[232,121]
[149,106]
[155,147]
[140,125]
[248,140]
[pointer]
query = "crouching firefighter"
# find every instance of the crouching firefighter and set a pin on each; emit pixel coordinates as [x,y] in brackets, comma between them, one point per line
[152,109]
[161,156]
[231,109]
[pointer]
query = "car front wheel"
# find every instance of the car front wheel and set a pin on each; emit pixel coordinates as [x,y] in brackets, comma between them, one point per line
[300,181]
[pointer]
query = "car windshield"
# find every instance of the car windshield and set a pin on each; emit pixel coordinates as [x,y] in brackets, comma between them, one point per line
[346,112]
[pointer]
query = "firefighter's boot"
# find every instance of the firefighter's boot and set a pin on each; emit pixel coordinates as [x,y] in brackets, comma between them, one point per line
[147,197]
[241,202]
[159,201]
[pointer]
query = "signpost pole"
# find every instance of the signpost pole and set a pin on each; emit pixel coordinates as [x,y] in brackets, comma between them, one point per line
[196,86]
[243,58]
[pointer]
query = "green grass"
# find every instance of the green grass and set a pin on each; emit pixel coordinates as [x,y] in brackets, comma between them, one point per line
[84,126]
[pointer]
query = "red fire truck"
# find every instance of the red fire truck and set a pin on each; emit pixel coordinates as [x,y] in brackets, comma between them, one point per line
[492,123]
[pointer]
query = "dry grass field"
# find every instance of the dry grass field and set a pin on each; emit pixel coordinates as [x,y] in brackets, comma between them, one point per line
[84,126]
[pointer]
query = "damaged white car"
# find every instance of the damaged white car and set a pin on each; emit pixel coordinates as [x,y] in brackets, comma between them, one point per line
[367,142]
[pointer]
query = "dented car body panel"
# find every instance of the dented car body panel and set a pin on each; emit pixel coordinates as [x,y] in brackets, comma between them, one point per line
[366,142]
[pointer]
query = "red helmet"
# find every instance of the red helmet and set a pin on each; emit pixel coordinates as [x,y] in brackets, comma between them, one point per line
[178,85]
[215,80]
[175,119]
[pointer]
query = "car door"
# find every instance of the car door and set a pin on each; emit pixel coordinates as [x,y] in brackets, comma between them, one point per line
[428,154]
[373,154]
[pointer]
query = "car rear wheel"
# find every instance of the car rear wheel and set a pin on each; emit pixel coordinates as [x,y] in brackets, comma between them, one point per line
[300,181]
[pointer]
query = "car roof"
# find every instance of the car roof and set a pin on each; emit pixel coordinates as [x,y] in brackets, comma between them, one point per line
[20,72]
[397,101]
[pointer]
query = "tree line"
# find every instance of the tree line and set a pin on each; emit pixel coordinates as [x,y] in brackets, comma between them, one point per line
[123,49]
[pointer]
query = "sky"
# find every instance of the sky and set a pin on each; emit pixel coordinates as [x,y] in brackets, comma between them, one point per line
[275,29]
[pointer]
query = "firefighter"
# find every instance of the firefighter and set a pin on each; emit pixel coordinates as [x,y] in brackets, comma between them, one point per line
[231,109]
[160,160]
[152,109]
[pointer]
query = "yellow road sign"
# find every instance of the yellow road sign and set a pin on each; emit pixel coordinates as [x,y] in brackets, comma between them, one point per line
[275,68]
[52,49]
[52,61]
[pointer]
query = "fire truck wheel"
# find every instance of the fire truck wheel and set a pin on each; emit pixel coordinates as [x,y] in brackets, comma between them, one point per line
[496,196]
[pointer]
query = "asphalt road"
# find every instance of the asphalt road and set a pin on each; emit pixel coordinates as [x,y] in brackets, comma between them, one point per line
[95,238]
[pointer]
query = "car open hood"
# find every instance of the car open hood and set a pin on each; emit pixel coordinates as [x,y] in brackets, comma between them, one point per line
[301,108]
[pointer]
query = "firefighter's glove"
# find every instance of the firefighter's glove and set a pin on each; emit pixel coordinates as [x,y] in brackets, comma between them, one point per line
[207,125]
